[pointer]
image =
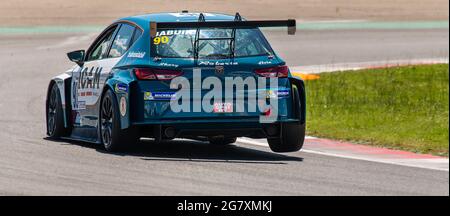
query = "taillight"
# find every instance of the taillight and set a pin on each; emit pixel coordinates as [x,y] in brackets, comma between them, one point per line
[156,74]
[144,73]
[279,71]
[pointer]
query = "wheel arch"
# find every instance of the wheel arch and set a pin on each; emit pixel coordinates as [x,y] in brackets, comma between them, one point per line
[302,93]
[109,85]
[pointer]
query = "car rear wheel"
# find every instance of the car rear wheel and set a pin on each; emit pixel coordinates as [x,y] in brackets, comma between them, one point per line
[222,140]
[55,115]
[112,136]
[291,139]
[292,135]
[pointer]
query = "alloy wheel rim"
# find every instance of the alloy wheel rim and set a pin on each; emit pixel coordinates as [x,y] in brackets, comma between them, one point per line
[52,112]
[106,121]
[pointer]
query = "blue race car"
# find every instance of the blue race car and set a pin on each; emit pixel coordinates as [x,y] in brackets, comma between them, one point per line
[202,76]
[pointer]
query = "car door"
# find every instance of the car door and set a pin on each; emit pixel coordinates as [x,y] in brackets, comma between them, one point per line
[87,79]
[101,57]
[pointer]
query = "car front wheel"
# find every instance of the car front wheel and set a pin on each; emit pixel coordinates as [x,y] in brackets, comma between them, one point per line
[55,115]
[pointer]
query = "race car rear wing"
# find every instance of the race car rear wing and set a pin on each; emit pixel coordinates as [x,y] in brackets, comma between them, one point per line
[238,23]
[290,23]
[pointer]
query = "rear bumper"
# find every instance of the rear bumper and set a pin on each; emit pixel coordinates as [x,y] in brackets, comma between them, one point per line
[169,129]
[237,121]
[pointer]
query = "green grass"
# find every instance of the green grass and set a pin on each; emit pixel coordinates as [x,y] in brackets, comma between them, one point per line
[401,108]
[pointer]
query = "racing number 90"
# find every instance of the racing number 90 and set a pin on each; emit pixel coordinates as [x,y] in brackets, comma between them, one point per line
[158,40]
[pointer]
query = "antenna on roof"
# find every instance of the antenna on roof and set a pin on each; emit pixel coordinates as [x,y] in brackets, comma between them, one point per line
[201,18]
[237,17]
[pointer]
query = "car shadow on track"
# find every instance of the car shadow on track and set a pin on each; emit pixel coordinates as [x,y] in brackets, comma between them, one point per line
[194,151]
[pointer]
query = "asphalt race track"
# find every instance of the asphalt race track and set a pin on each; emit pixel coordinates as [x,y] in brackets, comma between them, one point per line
[30,164]
[339,46]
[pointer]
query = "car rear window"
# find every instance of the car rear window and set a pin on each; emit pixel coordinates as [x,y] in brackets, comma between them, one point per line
[213,43]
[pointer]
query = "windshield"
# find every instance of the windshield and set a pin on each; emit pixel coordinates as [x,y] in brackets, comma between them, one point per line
[212,43]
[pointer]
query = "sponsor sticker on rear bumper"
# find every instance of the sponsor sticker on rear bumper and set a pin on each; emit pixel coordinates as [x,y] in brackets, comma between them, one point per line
[159,95]
[279,93]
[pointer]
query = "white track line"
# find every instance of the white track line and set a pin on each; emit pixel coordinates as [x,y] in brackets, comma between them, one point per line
[69,41]
[312,69]
[401,162]
[333,21]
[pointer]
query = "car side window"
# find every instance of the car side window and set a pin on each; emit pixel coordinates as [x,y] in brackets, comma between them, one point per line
[101,48]
[122,41]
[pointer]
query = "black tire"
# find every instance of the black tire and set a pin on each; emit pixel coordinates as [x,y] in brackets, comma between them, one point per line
[292,135]
[222,140]
[55,115]
[291,139]
[112,136]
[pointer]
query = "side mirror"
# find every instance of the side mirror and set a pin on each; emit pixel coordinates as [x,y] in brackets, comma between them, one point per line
[77,57]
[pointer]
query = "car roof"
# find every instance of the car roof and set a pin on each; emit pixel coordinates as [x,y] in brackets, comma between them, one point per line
[144,19]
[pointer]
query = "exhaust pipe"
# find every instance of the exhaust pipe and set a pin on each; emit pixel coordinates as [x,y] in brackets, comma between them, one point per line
[170,132]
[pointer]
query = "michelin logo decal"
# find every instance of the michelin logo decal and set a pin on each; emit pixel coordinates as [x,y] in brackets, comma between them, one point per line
[159,95]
